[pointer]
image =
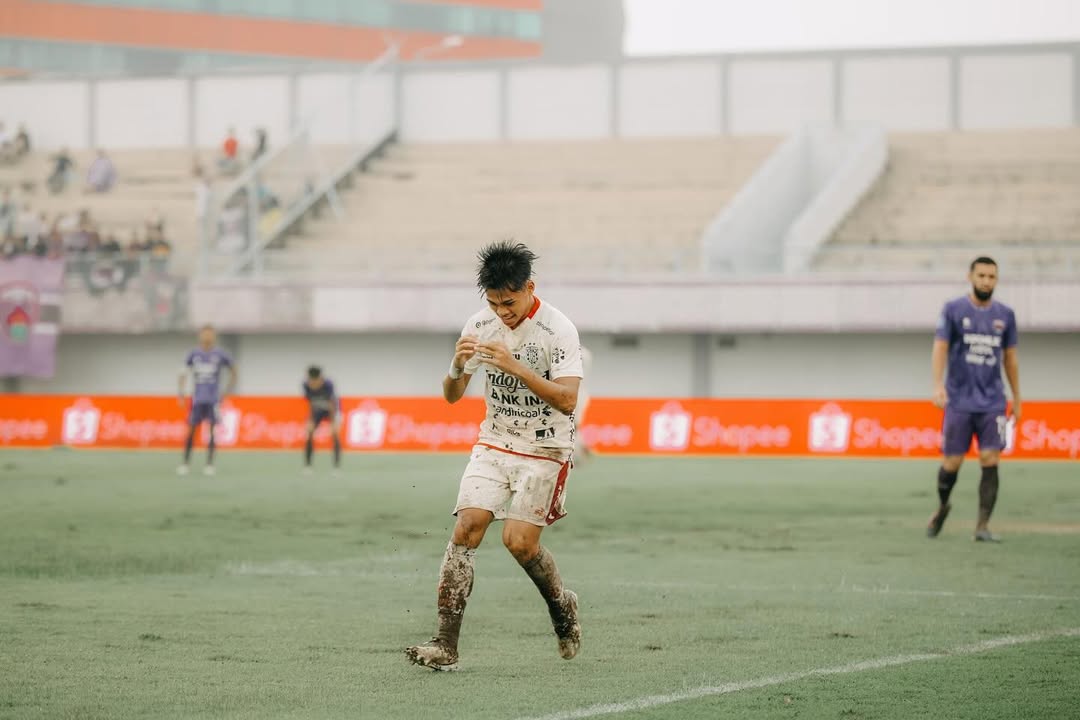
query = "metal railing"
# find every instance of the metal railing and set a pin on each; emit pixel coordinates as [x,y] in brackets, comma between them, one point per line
[266,201]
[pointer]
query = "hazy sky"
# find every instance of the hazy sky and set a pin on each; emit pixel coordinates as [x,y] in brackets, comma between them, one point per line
[658,27]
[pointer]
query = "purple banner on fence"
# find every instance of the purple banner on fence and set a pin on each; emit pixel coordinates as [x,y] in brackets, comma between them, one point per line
[31,291]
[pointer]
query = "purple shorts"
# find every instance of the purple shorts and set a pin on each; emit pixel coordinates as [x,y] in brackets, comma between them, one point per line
[959,427]
[201,412]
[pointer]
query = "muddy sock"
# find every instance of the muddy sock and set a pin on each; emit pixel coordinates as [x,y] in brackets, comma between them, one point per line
[988,490]
[309,448]
[337,451]
[455,584]
[945,482]
[545,575]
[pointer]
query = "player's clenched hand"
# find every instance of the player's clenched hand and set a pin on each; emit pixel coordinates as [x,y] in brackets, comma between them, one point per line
[941,398]
[180,401]
[464,350]
[1015,414]
[499,356]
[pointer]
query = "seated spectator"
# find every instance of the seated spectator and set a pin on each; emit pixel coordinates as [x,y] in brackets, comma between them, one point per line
[7,144]
[62,166]
[155,226]
[22,142]
[11,246]
[229,162]
[101,176]
[262,144]
[8,212]
[110,246]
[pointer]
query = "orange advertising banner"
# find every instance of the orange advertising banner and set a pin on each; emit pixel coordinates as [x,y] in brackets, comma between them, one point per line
[759,427]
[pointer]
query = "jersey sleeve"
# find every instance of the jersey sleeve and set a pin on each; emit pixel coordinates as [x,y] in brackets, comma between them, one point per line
[190,359]
[1011,338]
[226,359]
[943,331]
[566,354]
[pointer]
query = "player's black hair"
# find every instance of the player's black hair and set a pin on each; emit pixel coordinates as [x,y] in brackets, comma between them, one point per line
[314,372]
[207,326]
[504,265]
[982,260]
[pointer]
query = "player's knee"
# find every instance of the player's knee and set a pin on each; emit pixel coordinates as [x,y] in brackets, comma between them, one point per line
[521,546]
[952,463]
[469,530]
[989,458]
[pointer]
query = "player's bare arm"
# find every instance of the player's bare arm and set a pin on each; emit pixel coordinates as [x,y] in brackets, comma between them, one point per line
[1012,374]
[454,387]
[560,393]
[231,384]
[181,387]
[938,358]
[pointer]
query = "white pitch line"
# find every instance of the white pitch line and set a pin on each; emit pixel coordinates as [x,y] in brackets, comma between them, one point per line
[880,590]
[651,701]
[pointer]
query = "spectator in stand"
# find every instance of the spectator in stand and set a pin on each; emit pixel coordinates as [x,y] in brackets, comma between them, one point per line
[22,142]
[7,144]
[8,212]
[11,246]
[25,222]
[155,226]
[101,176]
[62,166]
[262,144]
[229,162]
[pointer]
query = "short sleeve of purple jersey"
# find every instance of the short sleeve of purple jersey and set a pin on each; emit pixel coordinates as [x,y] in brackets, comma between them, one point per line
[944,325]
[1011,339]
[190,360]
[226,359]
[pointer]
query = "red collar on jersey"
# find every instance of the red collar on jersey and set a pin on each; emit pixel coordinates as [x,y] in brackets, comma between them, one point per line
[532,312]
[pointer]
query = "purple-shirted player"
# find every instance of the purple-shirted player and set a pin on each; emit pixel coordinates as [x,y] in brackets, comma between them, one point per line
[975,339]
[325,405]
[204,364]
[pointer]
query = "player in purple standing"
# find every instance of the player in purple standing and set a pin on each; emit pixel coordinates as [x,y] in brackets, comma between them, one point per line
[325,405]
[975,339]
[204,364]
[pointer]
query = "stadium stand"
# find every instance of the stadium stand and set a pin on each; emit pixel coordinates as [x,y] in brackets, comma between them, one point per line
[947,195]
[599,206]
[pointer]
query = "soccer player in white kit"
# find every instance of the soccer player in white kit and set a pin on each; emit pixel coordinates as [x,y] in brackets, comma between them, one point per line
[519,466]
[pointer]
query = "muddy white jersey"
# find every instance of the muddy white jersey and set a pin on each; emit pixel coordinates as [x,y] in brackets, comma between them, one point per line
[517,420]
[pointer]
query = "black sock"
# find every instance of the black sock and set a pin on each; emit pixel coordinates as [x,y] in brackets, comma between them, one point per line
[309,447]
[337,451]
[188,443]
[945,482]
[210,447]
[988,491]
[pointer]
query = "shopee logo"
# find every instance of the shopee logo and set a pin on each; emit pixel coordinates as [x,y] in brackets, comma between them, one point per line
[669,428]
[366,426]
[830,430]
[80,423]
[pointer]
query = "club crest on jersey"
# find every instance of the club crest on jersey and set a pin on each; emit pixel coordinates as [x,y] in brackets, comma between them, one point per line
[999,326]
[532,356]
[966,322]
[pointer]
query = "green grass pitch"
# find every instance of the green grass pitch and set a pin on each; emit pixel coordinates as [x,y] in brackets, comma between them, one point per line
[709,589]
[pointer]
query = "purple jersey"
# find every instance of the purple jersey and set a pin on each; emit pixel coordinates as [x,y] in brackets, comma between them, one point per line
[977,338]
[323,399]
[206,366]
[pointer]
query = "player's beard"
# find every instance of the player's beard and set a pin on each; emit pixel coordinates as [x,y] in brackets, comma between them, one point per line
[982,295]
